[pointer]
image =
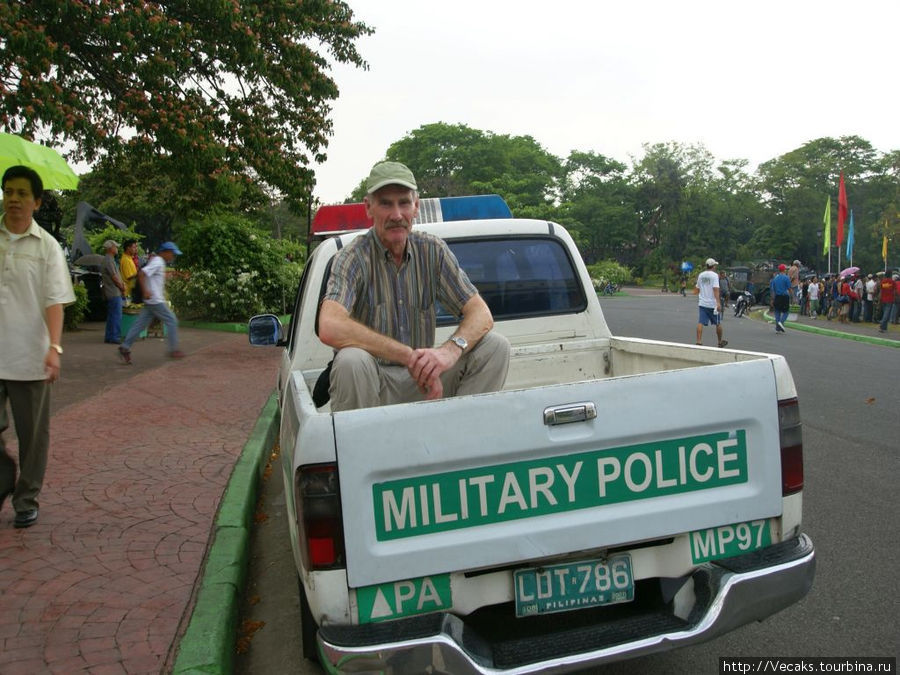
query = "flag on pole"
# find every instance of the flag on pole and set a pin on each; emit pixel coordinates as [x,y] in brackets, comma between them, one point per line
[827,220]
[850,237]
[884,249]
[842,211]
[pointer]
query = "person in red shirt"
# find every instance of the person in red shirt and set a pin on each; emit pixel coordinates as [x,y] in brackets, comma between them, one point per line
[896,298]
[846,293]
[887,301]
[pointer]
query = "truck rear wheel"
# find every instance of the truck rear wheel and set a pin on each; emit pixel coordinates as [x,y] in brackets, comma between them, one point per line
[308,627]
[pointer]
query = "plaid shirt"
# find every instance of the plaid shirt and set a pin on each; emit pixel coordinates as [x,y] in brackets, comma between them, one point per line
[399,302]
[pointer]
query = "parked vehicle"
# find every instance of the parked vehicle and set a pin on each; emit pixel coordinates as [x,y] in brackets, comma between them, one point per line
[743,303]
[590,511]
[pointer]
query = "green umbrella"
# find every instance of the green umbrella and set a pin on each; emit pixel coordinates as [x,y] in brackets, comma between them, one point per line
[51,167]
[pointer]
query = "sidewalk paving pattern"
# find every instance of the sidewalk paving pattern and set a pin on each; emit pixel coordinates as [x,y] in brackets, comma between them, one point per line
[105,580]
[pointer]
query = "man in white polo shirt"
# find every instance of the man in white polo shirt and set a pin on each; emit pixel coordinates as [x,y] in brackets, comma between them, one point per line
[34,288]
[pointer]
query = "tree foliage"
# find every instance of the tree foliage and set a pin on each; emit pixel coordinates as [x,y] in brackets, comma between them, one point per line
[795,187]
[203,91]
[598,206]
[675,202]
[451,160]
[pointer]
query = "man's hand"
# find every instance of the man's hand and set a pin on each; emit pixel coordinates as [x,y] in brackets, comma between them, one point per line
[51,365]
[427,365]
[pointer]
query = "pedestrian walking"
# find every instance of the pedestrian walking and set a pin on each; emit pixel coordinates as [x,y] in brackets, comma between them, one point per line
[780,292]
[152,278]
[710,302]
[35,287]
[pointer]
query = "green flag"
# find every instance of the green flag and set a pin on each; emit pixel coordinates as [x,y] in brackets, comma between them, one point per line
[827,220]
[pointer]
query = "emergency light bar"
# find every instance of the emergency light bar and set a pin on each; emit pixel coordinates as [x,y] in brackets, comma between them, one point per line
[343,217]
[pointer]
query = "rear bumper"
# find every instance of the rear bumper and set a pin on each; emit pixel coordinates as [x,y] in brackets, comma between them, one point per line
[729,593]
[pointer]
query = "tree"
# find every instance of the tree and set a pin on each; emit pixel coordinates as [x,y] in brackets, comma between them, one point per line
[451,160]
[597,204]
[219,90]
[660,180]
[796,185]
[50,215]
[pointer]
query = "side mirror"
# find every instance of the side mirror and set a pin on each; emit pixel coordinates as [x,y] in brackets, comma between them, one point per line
[265,330]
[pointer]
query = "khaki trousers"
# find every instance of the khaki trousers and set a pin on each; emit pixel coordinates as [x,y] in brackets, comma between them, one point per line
[358,380]
[30,403]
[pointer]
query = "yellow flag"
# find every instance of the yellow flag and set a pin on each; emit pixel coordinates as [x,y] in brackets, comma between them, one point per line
[884,249]
[827,220]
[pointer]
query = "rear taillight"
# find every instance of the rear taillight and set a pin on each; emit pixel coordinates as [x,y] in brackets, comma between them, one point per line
[791,434]
[319,516]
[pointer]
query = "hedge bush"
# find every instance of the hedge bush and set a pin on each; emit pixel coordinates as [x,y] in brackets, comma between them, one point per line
[74,314]
[233,269]
[610,271]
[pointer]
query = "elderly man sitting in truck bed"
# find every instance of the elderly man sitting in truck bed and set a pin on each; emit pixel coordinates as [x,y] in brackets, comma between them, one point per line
[379,310]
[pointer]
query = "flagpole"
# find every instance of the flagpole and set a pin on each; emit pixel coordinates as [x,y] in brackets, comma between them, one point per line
[827,235]
[842,215]
[850,239]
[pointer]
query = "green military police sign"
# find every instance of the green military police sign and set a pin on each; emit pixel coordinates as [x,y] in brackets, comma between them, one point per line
[421,505]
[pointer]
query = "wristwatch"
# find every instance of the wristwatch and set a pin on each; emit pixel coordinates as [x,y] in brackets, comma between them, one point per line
[57,348]
[460,342]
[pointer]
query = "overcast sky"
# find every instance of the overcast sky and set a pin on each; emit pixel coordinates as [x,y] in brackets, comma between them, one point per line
[749,80]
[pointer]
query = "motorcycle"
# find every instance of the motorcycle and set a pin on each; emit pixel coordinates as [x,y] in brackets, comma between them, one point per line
[743,304]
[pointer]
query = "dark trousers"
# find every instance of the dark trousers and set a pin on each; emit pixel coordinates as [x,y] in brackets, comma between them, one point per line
[30,404]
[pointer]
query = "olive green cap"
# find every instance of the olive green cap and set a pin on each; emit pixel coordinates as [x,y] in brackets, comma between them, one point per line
[390,173]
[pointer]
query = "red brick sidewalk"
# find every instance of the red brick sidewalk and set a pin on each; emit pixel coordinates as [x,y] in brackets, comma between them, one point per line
[105,578]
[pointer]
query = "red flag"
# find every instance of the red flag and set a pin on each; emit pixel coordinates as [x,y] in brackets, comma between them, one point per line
[842,211]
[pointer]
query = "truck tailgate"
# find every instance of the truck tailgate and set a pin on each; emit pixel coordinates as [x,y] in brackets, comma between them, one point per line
[481,481]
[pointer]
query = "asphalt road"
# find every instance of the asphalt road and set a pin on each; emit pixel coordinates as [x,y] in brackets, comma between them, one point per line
[849,400]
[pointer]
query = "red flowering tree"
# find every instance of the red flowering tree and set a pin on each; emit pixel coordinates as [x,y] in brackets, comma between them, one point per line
[215,89]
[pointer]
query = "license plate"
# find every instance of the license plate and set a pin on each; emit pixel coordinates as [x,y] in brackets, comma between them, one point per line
[575,585]
[729,540]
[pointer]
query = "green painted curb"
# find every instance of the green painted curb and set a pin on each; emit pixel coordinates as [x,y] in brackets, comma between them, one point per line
[208,643]
[872,339]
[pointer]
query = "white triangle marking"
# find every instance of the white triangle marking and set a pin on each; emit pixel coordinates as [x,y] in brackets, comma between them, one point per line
[381,608]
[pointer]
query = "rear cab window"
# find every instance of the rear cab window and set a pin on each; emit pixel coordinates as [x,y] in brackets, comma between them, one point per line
[519,277]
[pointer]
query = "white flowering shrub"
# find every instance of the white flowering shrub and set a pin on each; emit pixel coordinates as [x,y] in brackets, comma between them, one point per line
[231,270]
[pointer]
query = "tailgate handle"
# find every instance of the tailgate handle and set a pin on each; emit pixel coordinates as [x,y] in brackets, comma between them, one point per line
[571,412]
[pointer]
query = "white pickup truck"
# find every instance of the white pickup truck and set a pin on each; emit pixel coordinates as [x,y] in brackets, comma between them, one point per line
[618,497]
